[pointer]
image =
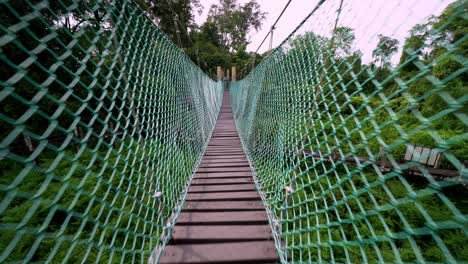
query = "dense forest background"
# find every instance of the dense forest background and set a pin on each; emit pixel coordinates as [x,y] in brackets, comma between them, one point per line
[220,41]
[434,48]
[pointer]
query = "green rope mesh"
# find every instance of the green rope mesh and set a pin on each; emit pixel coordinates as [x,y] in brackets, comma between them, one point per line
[341,148]
[103,120]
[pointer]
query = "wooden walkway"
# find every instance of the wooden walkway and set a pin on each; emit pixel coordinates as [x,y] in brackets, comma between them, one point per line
[223,220]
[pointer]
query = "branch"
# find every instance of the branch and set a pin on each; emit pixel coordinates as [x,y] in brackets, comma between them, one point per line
[75,28]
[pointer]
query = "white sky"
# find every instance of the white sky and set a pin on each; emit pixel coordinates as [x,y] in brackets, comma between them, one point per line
[367,17]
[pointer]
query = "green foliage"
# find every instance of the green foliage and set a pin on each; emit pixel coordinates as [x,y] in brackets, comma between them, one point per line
[342,41]
[175,18]
[445,67]
[99,93]
[385,49]
[233,22]
[327,136]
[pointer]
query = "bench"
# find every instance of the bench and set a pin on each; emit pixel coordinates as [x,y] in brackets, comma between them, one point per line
[430,157]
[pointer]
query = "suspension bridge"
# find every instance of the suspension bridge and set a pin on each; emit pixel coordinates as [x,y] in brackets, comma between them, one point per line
[116,148]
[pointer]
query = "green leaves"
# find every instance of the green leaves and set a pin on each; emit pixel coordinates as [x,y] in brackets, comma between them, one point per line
[336,131]
[233,22]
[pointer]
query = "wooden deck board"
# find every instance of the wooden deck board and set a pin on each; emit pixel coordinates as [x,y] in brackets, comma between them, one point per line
[223,219]
[228,218]
[237,252]
[224,196]
[222,206]
[224,162]
[221,188]
[223,233]
[225,169]
[229,174]
[217,181]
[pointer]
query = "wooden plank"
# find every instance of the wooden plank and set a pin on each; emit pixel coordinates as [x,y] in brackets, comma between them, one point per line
[224,196]
[231,174]
[234,252]
[234,155]
[224,169]
[225,141]
[224,159]
[231,144]
[225,145]
[226,218]
[219,181]
[225,149]
[228,141]
[216,140]
[223,233]
[214,160]
[221,188]
[235,147]
[225,152]
[223,206]
[223,156]
[221,163]
[225,164]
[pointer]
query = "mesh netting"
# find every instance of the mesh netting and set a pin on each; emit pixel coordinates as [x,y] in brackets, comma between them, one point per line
[363,160]
[103,120]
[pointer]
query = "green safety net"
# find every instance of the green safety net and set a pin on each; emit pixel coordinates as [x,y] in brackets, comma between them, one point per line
[363,161]
[102,123]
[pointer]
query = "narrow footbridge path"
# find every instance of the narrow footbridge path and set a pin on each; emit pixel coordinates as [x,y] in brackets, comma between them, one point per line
[223,219]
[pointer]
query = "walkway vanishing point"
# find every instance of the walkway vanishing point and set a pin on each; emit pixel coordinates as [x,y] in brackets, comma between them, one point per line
[223,220]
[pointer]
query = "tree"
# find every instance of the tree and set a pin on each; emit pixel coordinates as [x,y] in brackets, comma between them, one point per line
[430,40]
[175,18]
[342,41]
[385,49]
[234,21]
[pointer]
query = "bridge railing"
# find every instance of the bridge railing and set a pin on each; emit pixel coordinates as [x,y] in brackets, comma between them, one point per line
[327,133]
[102,122]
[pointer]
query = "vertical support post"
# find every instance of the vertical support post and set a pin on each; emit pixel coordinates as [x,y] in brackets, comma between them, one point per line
[233,73]
[219,72]
[271,38]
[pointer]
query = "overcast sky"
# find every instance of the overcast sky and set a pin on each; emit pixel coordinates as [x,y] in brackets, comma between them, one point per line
[367,17]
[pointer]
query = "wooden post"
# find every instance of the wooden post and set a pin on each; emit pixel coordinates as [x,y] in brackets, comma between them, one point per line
[227,75]
[219,73]
[233,73]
